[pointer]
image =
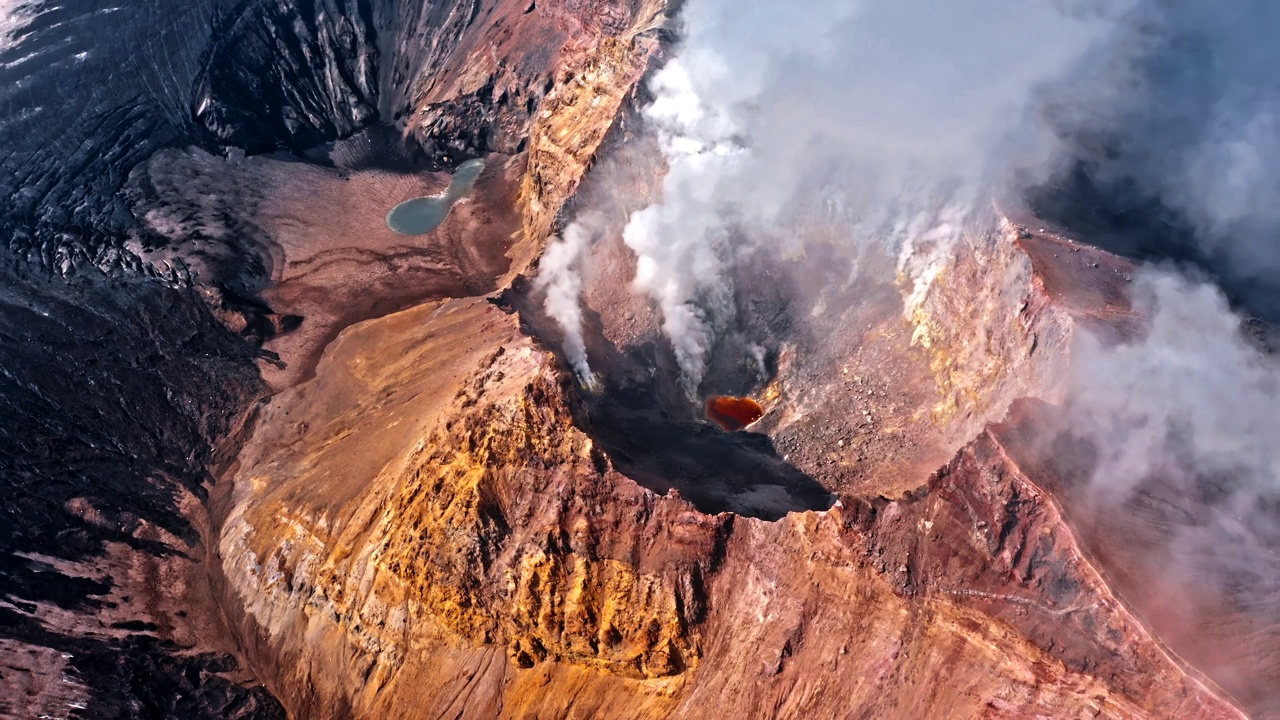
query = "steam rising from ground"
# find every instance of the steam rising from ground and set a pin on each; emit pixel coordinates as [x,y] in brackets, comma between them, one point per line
[1192,406]
[559,276]
[1162,396]
[1184,108]
[897,120]
[894,117]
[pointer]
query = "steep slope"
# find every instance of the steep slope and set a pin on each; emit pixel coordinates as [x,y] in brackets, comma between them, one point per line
[1215,606]
[118,399]
[430,515]
[462,79]
[122,394]
[472,534]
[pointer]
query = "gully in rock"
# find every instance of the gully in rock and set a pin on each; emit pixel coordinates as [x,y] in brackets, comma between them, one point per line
[637,359]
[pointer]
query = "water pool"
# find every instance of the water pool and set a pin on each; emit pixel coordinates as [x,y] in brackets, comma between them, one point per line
[421,215]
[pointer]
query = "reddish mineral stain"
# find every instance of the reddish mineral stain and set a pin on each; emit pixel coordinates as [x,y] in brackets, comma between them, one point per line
[733,413]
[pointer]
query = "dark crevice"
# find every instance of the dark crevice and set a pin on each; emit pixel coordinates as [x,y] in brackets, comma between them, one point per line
[657,436]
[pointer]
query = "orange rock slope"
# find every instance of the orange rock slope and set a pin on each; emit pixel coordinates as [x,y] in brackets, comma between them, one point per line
[438,521]
[424,524]
[414,531]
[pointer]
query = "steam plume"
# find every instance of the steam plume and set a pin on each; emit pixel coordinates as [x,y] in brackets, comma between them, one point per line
[908,115]
[894,111]
[1193,405]
[1184,108]
[559,277]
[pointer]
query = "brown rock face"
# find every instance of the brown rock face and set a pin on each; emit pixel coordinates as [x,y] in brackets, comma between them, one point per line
[416,510]
[431,517]
[444,539]
[427,508]
[1224,627]
[438,518]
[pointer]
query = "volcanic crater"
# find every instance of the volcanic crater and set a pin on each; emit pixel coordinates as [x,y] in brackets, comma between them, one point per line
[312,466]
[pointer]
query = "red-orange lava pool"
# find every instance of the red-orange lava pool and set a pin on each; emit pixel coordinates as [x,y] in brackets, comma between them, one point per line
[732,413]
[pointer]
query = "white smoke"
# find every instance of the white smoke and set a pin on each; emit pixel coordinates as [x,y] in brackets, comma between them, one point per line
[1193,384]
[891,111]
[560,277]
[909,114]
[1194,406]
[1184,107]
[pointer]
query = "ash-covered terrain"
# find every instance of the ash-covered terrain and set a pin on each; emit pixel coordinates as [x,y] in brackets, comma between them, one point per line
[370,359]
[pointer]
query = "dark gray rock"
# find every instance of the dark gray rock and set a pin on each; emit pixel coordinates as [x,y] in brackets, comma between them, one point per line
[114,395]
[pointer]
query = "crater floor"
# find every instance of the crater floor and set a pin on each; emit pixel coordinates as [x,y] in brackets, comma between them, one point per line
[274,445]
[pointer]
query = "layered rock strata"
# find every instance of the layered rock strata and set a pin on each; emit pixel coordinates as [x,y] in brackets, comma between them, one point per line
[474,549]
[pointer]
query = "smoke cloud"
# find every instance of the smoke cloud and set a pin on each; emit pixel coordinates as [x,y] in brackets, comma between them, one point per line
[902,115]
[907,117]
[1190,407]
[902,120]
[560,277]
[1184,108]
[1194,388]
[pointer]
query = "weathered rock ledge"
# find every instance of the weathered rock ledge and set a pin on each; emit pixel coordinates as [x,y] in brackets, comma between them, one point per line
[428,524]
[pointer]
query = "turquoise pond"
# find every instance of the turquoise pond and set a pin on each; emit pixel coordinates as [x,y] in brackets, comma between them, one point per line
[421,215]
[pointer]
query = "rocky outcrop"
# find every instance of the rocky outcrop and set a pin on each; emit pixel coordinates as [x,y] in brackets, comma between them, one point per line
[1021,563]
[1163,552]
[429,525]
[462,79]
[472,531]
[577,116]
[116,397]
[289,75]
[430,515]
[483,81]
[990,331]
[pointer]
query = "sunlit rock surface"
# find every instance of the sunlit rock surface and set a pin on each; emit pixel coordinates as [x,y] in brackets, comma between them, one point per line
[125,395]
[428,523]
[280,459]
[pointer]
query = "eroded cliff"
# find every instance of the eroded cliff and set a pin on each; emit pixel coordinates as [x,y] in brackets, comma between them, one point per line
[122,393]
[427,523]
[430,515]
[442,518]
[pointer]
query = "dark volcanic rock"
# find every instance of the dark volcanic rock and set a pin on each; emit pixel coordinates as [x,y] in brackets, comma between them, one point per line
[286,74]
[84,105]
[120,394]
[88,92]
[112,394]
